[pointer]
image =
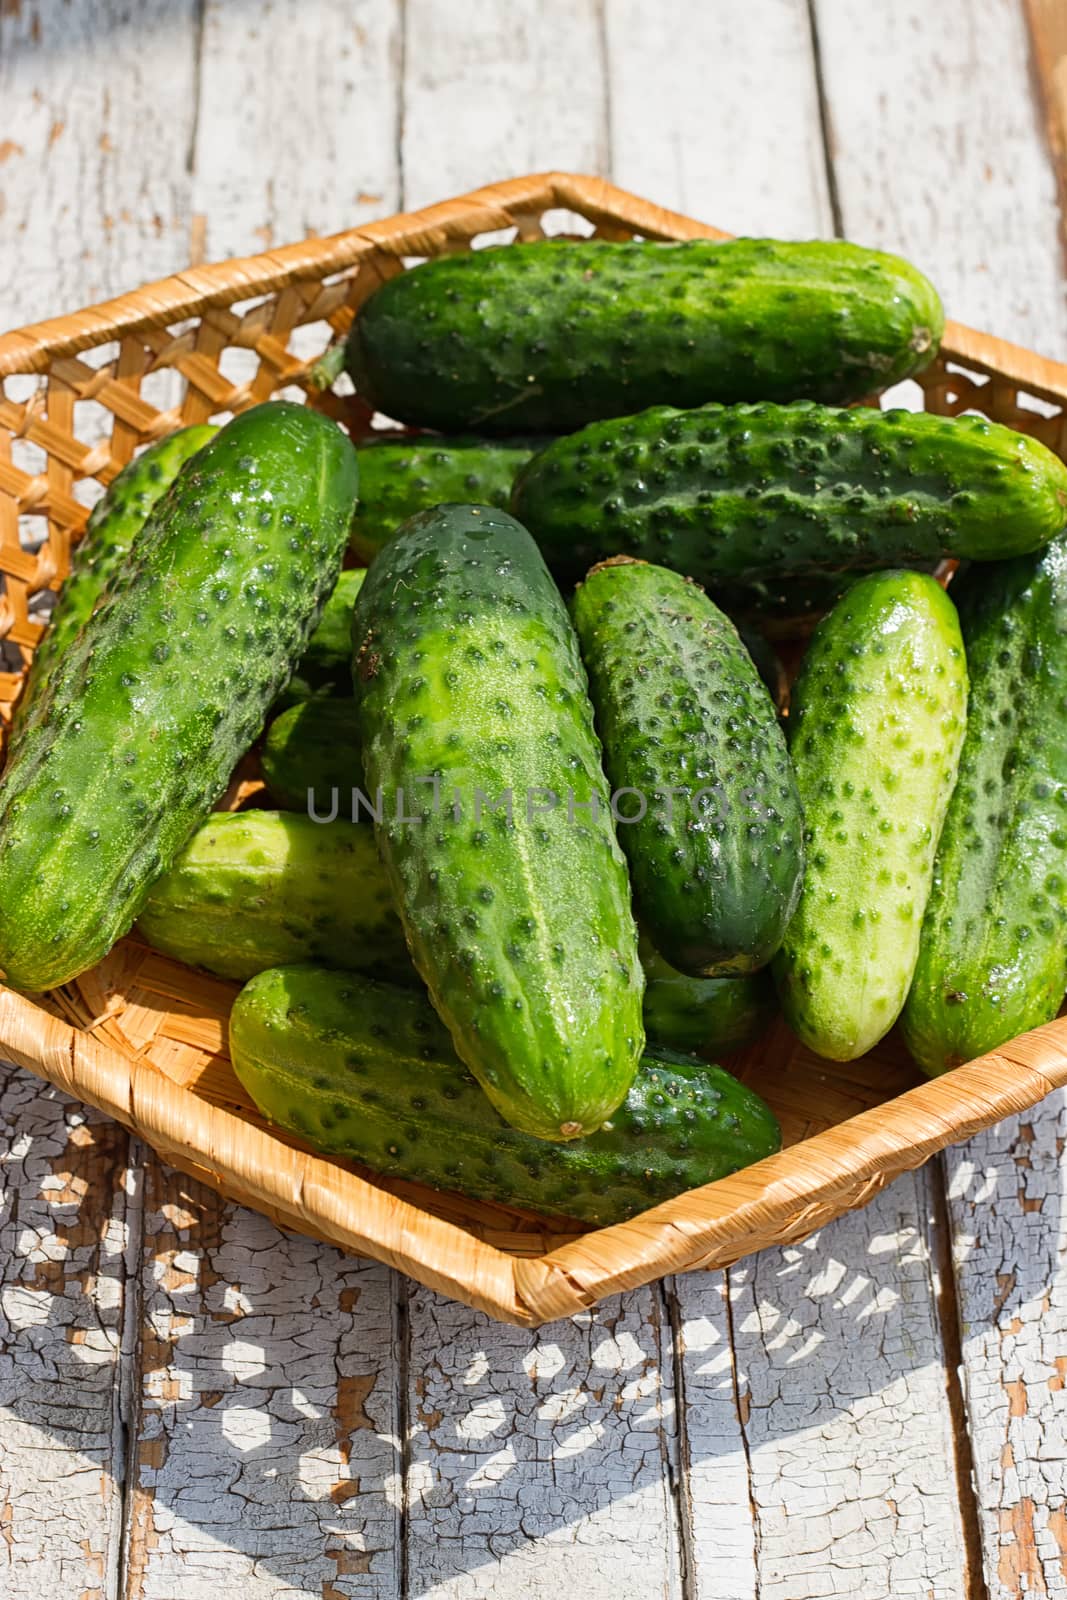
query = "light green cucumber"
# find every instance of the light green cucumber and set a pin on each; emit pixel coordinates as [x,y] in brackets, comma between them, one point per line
[365,1070]
[255,889]
[877,720]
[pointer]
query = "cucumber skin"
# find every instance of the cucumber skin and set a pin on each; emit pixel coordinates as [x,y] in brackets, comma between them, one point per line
[399,477]
[466,666]
[553,335]
[325,668]
[993,954]
[367,1071]
[314,745]
[257,889]
[877,722]
[739,497]
[114,523]
[166,686]
[679,703]
[706,1017]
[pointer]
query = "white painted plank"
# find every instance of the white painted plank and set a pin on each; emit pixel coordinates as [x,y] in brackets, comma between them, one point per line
[96,106]
[714,111]
[267,1462]
[298,124]
[93,199]
[1006,1203]
[268,1459]
[940,153]
[760,1489]
[540,1461]
[543,1459]
[493,90]
[63,1235]
[840,1387]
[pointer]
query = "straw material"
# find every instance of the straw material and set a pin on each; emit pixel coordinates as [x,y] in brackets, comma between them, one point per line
[144,1038]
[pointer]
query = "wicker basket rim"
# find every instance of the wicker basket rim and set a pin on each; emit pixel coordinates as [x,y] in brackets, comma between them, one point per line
[840,1167]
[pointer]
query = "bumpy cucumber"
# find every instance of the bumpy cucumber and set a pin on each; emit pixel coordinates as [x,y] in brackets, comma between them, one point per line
[255,889]
[166,685]
[310,751]
[467,671]
[552,335]
[114,523]
[740,495]
[993,954]
[326,666]
[367,1071]
[707,1017]
[711,825]
[402,475]
[772,673]
[877,718]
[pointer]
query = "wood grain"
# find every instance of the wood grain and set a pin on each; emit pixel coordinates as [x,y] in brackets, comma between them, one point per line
[689,88]
[542,1461]
[268,1456]
[510,88]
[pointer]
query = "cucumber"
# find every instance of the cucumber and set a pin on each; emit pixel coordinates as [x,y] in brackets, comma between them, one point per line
[114,523]
[310,758]
[365,1070]
[402,475]
[555,334]
[467,671]
[740,495]
[166,685]
[711,824]
[993,953]
[706,1017]
[877,720]
[255,889]
[326,666]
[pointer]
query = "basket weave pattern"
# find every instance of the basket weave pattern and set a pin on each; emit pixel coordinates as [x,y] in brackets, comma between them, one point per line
[144,1038]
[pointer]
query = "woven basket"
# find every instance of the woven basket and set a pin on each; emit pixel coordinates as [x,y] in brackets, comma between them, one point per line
[144,1038]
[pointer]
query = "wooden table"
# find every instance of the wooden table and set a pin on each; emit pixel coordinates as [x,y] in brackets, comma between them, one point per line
[196,1406]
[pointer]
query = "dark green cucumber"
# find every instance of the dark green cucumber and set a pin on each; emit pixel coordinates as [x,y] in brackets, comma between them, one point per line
[467,671]
[876,720]
[365,1070]
[740,495]
[711,824]
[166,685]
[114,523]
[310,757]
[993,954]
[326,666]
[256,889]
[555,334]
[706,1017]
[413,472]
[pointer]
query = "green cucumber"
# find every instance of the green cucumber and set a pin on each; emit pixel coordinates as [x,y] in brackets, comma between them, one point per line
[310,758]
[399,476]
[706,1017]
[555,334]
[114,523]
[736,496]
[364,1070]
[711,825]
[993,953]
[256,889]
[877,720]
[467,672]
[166,685]
[326,666]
